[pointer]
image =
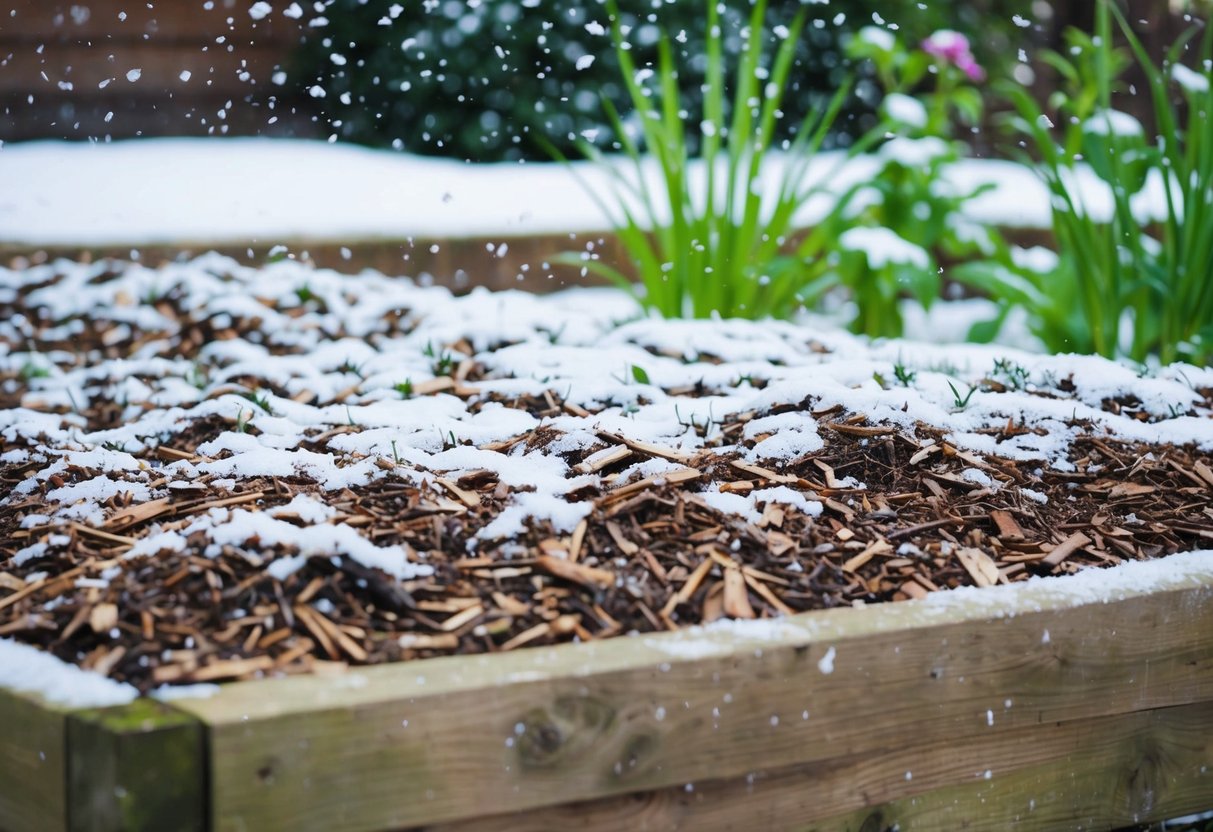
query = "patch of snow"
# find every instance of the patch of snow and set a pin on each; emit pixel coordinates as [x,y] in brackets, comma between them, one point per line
[26,669]
[883,246]
[1088,586]
[1190,79]
[172,693]
[1113,122]
[915,153]
[213,189]
[879,37]
[906,110]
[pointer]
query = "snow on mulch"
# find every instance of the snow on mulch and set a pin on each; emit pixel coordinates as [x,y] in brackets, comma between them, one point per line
[217,472]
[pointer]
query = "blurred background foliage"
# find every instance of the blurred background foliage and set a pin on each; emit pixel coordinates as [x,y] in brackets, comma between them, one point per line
[477,80]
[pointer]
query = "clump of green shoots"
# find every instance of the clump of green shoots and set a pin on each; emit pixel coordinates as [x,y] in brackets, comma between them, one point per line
[904,375]
[441,361]
[728,244]
[1125,285]
[259,398]
[959,401]
[1011,374]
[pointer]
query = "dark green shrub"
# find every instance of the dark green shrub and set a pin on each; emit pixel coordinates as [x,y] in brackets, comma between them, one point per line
[476,80]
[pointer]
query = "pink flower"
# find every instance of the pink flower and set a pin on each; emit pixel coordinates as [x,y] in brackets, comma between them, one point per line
[953,47]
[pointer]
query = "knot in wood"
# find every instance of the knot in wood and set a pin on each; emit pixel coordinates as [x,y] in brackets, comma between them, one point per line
[565,730]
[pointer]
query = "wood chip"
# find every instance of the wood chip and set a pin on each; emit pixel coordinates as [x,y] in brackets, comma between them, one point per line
[1130,489]
[879,547]
[305,616]
[828,472]
[109,661]
[459,620]
[736,598]
[425,641]
[140,513]
[924,453]
[1008,527]
[527,636]
[764,473]
[779,543]
[578,573]
[772,515]
[1204,472]
[981,568]
[647,448]
[469,498]
[509,604]
[688,588]
[103,618]
[1066,548]
[625,546]
[433,385]
[230,669]
[767,595]
[603,459]
[675,477]
[578,539]
[863,431]
[104,536]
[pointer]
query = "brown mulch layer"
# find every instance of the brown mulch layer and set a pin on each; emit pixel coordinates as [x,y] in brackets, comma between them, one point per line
[652,556]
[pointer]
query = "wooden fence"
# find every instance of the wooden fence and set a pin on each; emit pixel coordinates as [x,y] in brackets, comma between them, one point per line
[66,70]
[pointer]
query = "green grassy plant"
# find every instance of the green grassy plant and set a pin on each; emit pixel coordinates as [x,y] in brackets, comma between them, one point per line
[1121,287]
[727,245]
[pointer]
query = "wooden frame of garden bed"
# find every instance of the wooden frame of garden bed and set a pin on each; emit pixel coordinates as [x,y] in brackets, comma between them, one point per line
[449,261]
[1036,707]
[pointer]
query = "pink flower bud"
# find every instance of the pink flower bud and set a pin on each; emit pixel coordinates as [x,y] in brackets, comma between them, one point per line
[954,48]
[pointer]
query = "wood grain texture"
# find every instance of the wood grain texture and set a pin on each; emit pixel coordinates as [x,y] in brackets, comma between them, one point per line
[99,73]
[135,767]
[448,739]
[458,264]
[32,765]
[1092,774]
[98,21]
[63,70]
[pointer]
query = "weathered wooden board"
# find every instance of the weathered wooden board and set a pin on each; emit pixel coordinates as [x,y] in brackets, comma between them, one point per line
[48,21]
[136,767]
[99,73]
[64,70]
[1093,774]
[449,739]
[32,764]
[459,264]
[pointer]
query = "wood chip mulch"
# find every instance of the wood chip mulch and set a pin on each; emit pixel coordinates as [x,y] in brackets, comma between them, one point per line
[653,556]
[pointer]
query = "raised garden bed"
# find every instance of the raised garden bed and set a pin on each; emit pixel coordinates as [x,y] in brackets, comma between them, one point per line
[401,503]
[1031,708]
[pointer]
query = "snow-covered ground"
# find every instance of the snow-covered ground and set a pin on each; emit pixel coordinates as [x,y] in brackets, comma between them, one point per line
[269,191]
[343,381]
[323,345]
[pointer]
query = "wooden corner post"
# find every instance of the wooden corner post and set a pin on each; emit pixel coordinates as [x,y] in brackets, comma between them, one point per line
[136,766]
